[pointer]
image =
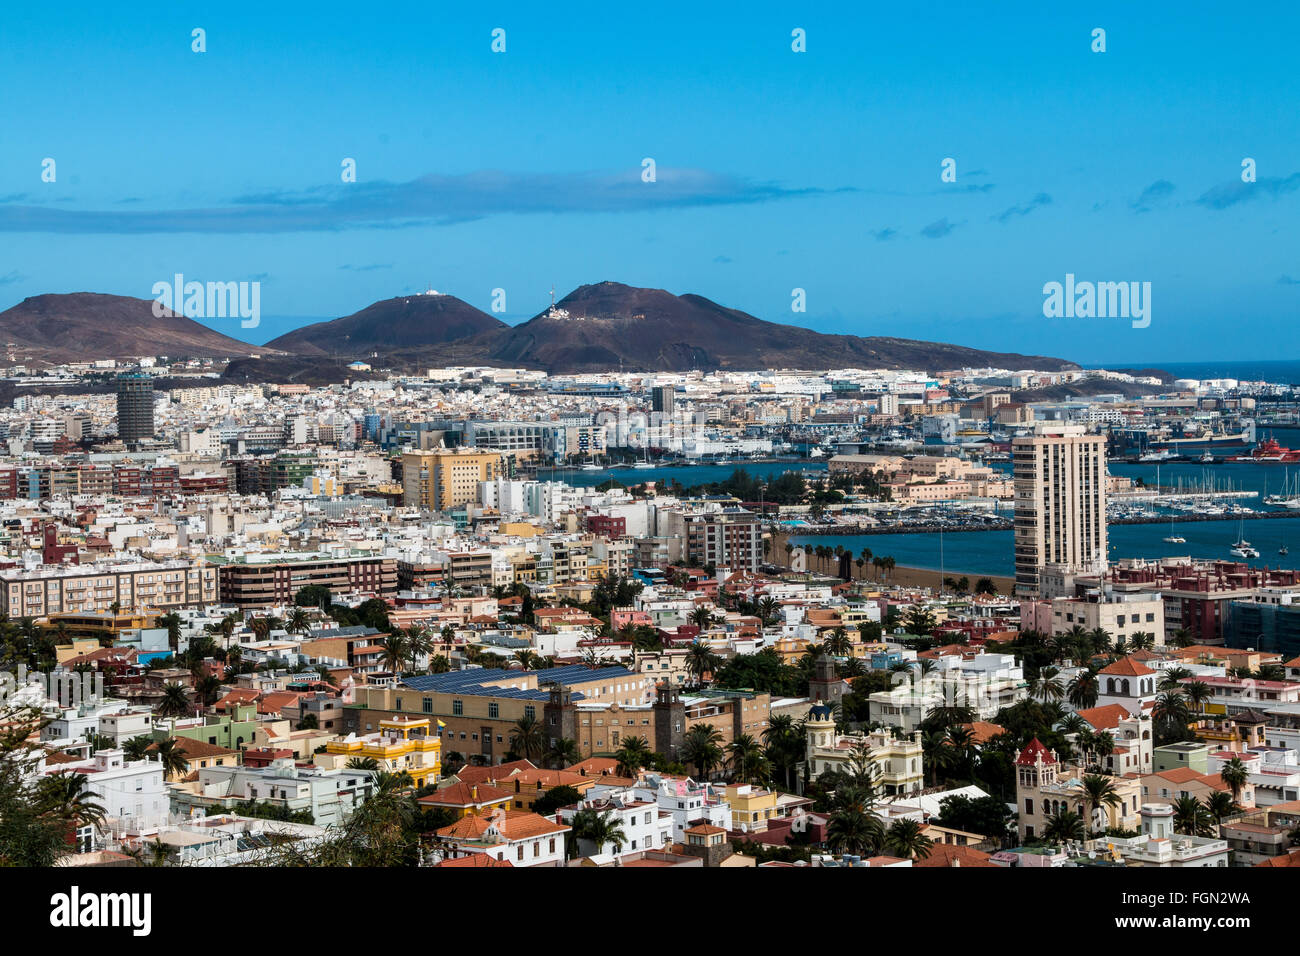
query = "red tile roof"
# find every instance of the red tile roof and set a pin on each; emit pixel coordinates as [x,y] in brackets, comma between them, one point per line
[1029,756]
[1105,718]
[1127,667]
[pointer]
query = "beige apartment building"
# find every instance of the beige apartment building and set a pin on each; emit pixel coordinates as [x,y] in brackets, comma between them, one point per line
[56,589]
[441,479]
[1060,504]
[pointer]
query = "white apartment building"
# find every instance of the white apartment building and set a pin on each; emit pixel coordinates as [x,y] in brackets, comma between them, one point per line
[1120,613]
[686,802]
[131,792]
[645,825]
[1060,503]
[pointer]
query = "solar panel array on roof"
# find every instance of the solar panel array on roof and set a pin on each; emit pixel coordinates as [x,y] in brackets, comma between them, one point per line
[471,682]
[352,630]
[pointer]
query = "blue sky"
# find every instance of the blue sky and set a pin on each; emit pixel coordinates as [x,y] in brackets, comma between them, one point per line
[776,170]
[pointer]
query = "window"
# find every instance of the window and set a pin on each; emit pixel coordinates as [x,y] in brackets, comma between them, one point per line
[427,705]
[494,710]
[458,708]
[530,711]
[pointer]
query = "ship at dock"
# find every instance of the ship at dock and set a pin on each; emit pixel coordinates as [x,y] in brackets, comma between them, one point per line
[1186,440]
[1269,452]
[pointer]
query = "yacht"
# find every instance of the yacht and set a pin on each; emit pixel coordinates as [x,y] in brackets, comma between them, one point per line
[1242,548]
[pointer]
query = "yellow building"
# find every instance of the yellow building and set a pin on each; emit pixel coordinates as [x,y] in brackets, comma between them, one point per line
[441,479]
[751,807]
[898,761]
[402,744]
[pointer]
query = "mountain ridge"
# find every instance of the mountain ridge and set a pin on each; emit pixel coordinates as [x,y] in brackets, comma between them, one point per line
[602,326]
[82,326]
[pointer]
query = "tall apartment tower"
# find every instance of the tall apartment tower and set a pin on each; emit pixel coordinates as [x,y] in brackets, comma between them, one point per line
[662,399]
[134,407]
[441,479]
[1060,522]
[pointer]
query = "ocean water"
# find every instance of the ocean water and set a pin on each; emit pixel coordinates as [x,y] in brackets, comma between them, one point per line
[989,552]
[1281,371]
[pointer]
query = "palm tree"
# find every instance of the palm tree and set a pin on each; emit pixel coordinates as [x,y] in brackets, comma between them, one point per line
[298,621]
[632,756]
[1173,678]
[1083,689]
[746,758]
[66,797]
[563,753]
[602,829]
[396,650]
[438,664]
[1099,791]
[837,644]
[528,739]
[905,839]
[208,690]
[175,700]
[702,747]
[1047,686]
[1234,774]
[961,740]
[1171,709]
[171,757]
[362,763]
[919,619]
[1103,745]
[701,660]
[136,748]
[1183,638]
[702,617]
[1192,818]
[855,830]
[1142,641]
[769,608]
[784,744]
[1198,692]
[1101,640]
[1221,805]
[936,754]
[1063,826]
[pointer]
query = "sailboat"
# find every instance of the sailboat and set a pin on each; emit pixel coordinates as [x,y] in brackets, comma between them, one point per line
[1171,538]
[1242,548]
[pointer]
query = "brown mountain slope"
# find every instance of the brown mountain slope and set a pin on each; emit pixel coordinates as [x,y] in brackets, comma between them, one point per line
[611,325]
[88,325]
[403,322]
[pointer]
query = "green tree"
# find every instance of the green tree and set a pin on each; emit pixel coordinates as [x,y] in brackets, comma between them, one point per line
[1063,826]
[702,746]
[905,839]
[1099,791]
[175,700]
[1235,775]
[604,830]
[528,739]
[172,758]
[632,756]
